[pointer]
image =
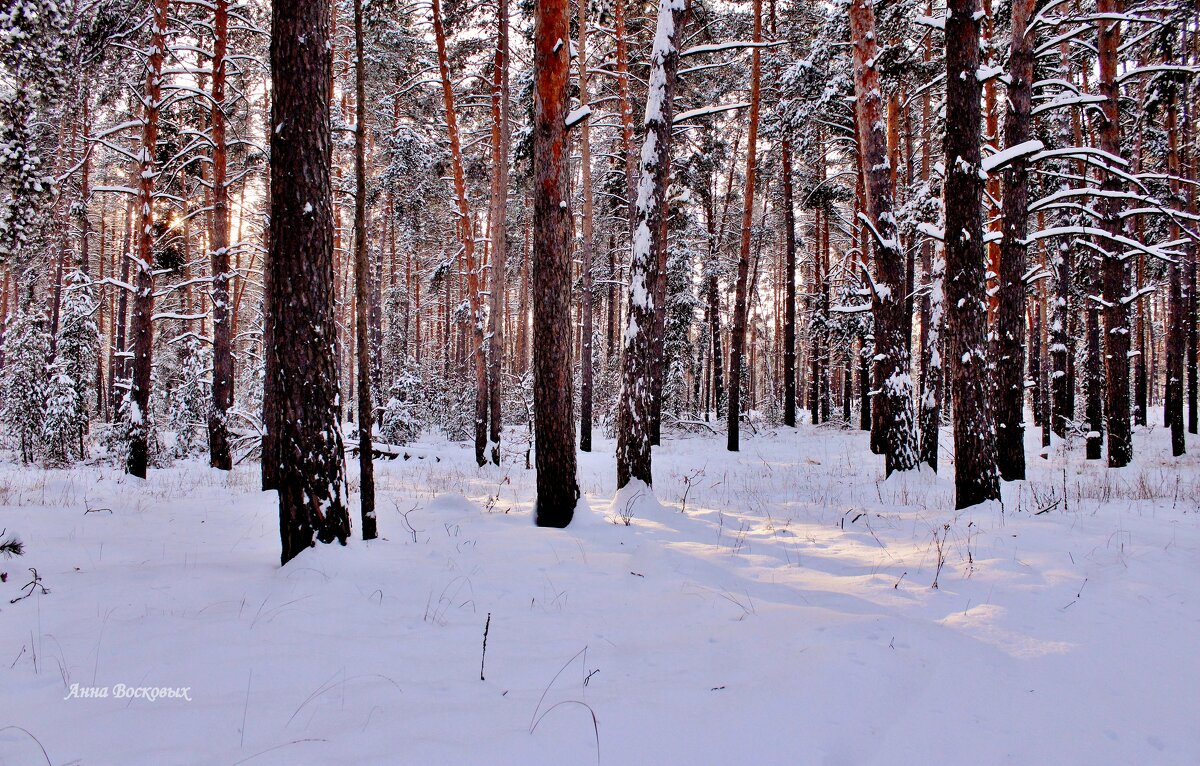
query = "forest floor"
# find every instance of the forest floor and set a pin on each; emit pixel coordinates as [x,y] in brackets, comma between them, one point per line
[796,609]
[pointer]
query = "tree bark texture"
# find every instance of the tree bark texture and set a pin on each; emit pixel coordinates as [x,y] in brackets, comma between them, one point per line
[975,477]
[306,413]
[554,424]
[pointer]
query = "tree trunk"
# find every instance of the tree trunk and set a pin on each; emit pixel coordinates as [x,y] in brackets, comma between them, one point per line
[634,417]
[305,412]
[467,241]
[1177,318]
[142,324]
[626,104]
[1115,278]
[1010,315]
[362,289]
[586,308]
[1192,299]
[893,381]
[498,222]
[931,298]
[737,341]
[222,388]
[789,285]
[557,489]
[118,368]
[975,478]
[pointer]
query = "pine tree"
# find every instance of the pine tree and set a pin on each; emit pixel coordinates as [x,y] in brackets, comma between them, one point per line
[557,488]
[1010,334]
[737,341]
[64,410]
[33,40]
[24,384]
[303,413]
[635,417]
[190,398]
[77,349]
[975,477]
[893,381]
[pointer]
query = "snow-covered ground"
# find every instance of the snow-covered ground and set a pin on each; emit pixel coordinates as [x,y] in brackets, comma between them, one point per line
[785,614]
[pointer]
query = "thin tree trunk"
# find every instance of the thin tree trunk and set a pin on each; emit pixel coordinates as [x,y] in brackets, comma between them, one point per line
[498,223]
[931,297]
[118,367]
[975,477]
[1010,325]
[1176,343]
[467,240]
[1192,300]
[737,341]
[1115,276]
[222,388]
[789,284]
[362,289]
[142,324]
[626,104]
[586,308]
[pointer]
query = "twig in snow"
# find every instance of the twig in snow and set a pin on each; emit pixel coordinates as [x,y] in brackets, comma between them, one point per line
[534,719]
[595,724]
[483,658]
[688,481]
[34,583]
[245,707]
[35,739]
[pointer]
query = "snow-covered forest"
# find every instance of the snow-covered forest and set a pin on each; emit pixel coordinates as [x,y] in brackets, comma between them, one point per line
[766,381]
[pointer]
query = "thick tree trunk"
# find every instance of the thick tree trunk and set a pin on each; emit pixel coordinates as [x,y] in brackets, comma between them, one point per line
[142,324]
[931,298]
[737,341]
[557,488]
[1010,315]
[498,223]
[305,413]
[1115,276]
[975,477]
[222,388]
[362,289]
[893,382]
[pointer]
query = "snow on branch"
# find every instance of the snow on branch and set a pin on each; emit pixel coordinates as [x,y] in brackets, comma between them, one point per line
[1092,231]
[887,244]
[931,231]
[1159,68]
[705,111]
[578,115]
[729,46]
[1002,158]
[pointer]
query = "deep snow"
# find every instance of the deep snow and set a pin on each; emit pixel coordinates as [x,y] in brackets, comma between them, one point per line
[786,616]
